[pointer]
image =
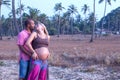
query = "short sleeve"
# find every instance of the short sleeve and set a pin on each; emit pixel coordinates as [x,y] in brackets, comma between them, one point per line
[20,39]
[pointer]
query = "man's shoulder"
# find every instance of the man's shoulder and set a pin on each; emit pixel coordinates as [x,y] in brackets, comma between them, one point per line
[22,32]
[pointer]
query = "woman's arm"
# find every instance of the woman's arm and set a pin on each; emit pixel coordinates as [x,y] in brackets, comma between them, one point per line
[28,43]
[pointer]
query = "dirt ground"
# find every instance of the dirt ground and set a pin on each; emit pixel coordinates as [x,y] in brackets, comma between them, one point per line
[71,50]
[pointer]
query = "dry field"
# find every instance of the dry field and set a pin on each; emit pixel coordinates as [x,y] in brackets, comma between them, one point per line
[73,50]
[72,58]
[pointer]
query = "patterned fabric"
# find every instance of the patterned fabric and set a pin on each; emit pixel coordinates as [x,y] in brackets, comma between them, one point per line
[38,70]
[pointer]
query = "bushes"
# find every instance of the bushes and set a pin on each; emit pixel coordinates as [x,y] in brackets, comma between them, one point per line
[76,30]
[52,31]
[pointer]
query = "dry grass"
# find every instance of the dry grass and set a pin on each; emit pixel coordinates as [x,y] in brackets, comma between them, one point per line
[73,50]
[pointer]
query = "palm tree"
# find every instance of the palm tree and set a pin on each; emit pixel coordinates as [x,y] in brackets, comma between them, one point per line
[92,36]
[106,1]
[85,8]
[58,7]
[20,11]
[65,23]
[7,3]
[14,16]
[21,6]
[43,18]
[72,10]
[33,13]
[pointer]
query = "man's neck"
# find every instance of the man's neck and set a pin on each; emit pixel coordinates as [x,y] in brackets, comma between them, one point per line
[29,31]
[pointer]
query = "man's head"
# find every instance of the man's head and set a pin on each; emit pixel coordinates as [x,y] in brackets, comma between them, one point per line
[29,24]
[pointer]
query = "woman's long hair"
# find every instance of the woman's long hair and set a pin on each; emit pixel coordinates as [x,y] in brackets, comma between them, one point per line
[39,23]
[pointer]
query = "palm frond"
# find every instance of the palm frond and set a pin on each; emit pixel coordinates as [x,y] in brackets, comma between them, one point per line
[6,2]
[100,1]
[109,2]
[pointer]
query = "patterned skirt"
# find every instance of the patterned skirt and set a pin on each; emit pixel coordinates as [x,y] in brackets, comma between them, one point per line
[38,70]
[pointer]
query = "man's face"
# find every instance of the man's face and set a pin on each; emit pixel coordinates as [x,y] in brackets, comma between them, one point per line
[32,24]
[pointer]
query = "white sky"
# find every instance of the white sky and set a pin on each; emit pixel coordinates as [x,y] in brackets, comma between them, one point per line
[47,6]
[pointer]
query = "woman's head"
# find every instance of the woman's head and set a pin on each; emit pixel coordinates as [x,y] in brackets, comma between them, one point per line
[40,27]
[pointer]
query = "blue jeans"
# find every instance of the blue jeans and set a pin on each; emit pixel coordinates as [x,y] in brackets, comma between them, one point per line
[23,68]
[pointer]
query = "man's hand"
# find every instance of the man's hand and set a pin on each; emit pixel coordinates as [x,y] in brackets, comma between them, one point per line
[34,56]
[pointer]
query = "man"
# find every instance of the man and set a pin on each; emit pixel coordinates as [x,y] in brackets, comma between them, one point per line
[24,51]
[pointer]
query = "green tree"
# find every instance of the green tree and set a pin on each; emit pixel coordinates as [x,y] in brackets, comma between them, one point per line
[72,11]
[6,3]
[58,7]
[106,1]
[14,16]
[33,13]
[112,21]
[64,29]
[43,18]
[85,8]
[20,12]
[94,21]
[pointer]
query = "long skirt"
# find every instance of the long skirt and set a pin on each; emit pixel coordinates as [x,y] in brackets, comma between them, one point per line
[38,70]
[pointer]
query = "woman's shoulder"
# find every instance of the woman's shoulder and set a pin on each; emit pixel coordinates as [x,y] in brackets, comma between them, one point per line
[34,33]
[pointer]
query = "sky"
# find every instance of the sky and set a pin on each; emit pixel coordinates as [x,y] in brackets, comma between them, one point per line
[47,6]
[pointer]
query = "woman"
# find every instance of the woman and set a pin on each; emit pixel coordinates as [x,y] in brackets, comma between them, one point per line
[38,45]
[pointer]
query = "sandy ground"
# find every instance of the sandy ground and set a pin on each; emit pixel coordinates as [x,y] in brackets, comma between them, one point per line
[9,71]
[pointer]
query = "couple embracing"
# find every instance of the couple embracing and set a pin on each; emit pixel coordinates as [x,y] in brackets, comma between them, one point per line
[33,45]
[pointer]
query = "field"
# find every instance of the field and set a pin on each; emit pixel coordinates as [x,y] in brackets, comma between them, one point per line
[72,51]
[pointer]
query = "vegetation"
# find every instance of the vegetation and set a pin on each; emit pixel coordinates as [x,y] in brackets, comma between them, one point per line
[106,1]
[67,22]
[6,3]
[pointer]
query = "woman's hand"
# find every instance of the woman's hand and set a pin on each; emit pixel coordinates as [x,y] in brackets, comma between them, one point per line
[34,56]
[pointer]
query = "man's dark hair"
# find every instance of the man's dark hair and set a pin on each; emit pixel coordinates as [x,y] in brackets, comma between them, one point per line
[27,22]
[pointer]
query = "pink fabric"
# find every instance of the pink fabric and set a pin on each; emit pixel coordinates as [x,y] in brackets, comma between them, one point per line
[42,75]
[37,73]
[22,38]
[34,73]
[38,70]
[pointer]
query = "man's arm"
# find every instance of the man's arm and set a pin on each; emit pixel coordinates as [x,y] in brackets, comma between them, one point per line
[22,48]
[21,43]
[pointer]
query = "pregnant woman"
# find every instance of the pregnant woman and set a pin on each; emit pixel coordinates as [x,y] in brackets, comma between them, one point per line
[38,45]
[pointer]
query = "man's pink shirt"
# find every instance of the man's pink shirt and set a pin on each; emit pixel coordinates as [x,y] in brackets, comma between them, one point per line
[22,38]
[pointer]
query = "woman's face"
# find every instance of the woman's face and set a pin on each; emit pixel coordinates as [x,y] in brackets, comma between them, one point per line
[39,28]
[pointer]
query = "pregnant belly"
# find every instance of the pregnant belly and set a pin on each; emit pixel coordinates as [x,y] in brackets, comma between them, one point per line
[42,52]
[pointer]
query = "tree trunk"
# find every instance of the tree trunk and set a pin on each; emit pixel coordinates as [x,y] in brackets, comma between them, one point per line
[72,24]
[11,29]
[58,24]
[14,16]
[84,32]
[21,24]
[0,23]
[92,36]
[108,24]
[103,17]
